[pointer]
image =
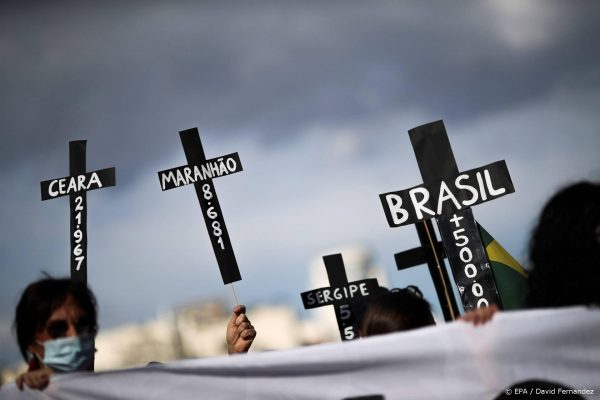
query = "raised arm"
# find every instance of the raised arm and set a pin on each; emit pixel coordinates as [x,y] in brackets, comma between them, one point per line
[240,332]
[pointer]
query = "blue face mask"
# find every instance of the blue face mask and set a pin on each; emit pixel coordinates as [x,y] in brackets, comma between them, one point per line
[69,354]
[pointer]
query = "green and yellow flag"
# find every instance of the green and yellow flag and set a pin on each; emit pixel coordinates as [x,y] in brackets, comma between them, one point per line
[511,278]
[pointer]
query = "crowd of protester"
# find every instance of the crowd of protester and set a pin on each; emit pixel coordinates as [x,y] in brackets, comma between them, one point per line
[56,319]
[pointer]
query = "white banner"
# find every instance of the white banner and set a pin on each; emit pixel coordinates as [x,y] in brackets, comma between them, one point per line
[452,361]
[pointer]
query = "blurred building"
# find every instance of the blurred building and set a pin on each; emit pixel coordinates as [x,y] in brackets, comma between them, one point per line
[193,331]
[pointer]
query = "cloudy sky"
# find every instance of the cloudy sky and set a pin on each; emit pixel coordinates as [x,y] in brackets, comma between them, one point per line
[317,98]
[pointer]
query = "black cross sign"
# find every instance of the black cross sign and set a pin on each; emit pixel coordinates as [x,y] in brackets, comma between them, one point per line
[76,186]
[340,294]
[431,253]
[201,172]
[448,194]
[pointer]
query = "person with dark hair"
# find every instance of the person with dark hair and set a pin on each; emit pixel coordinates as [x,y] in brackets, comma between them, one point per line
[399,310]
[56,324]
[564,250]
[395,311]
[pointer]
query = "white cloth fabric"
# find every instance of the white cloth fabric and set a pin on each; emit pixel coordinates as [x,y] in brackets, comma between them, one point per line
[453,361]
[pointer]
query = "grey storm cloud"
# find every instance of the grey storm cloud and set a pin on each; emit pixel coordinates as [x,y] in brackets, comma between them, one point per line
[129,75]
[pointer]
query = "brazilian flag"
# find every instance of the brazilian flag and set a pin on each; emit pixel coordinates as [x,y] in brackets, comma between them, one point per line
[511,278]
